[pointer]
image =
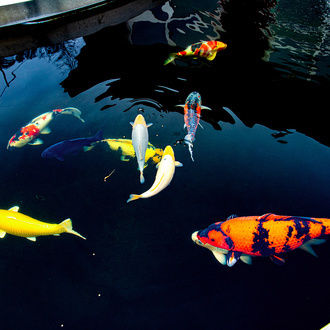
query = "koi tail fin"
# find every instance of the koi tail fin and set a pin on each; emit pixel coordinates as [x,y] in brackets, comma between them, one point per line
[133,197]
[189,141]
[141,177]
[170,59]
[67,226]
[191,151]
[72,111]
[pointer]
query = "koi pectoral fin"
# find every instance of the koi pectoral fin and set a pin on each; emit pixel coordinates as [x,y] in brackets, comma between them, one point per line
[204,107]
[178,164]
[46,130]
[220,257]
[124,159]
[212,56]
[36,142]
[308,246]
[277,260]
[246,259]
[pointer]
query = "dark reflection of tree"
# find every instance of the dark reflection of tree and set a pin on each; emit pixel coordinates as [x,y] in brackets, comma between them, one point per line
[62,55]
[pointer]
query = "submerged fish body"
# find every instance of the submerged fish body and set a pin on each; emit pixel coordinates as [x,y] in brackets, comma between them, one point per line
[28,134]
[18,224]
[268,235]
[192,113]
[164,175]
[125,147]
[60,149]
[140,139]
[204,49]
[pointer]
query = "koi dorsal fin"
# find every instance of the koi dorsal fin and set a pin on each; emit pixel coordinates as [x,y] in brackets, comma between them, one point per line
[232,216]
[14,208]
[264,217]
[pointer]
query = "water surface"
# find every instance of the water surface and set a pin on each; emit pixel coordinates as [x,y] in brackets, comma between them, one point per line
[269,152]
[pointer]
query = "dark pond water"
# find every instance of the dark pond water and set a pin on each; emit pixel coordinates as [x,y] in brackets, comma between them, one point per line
[138,268]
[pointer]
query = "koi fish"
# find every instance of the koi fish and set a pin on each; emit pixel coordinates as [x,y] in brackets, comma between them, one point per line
[18,224]
[192,113]
[164,175]
[125,147]
[28,133]
[268,235]
[206,49]
[60,149]
[140,139]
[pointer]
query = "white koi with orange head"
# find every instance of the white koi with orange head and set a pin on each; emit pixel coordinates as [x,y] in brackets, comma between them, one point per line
[164,176]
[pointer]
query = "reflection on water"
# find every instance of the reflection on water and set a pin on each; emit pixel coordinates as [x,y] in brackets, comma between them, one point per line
[263,149]
[300,43]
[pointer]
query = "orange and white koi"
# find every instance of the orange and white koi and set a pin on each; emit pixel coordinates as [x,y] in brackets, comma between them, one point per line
[269,235]
[192,113]
[204,49]
[28,134]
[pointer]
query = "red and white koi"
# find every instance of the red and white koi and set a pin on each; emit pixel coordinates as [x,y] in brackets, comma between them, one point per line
[204,49]
[192,113]
[28,134]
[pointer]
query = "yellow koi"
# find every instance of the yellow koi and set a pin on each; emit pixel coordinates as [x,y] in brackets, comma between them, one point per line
[125,146]
[18,224]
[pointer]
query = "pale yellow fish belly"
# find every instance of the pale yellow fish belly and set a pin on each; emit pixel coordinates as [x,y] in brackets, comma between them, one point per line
[19,224]
[163,178]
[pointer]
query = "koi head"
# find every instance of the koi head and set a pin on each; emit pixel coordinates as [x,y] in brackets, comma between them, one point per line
[193,100]
[25,135]
[168,151]
[212,237]
[139,120]
[220,46]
